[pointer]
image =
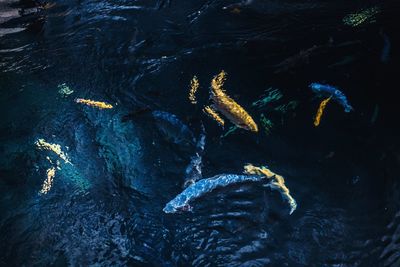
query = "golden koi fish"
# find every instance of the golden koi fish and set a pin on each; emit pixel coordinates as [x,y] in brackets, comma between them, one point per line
[213,114]
[194,85]
[92,103]
[278,182]
[49,181]
[320,111]
[56,148]
[228,107]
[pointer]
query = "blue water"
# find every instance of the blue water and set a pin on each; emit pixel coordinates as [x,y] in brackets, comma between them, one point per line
[139,56]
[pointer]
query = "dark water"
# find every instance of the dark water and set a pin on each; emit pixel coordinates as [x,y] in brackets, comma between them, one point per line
[106,208]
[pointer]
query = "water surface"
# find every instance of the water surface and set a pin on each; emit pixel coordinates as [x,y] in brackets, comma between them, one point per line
[106,208]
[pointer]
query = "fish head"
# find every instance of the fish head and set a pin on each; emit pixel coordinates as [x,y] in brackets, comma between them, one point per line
[169,208]
[316,87]
[250,126]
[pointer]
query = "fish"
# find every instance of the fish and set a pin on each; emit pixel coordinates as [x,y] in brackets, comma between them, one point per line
[320,111]
[92,103]
[198,189]
[344,61]
[375,114]
[301,58]
[235,8]
[64,90]
[331,91]
[363,16]
[230,131]
[277,183]
[173,128]
[56,148]
[136,113]
[214,115]
[50,173]
[385,55]
[194,85]
[271,95]
[266,124]
[228,107]
[193,171]
[194,191]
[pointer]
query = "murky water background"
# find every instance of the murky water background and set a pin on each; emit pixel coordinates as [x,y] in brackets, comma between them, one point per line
[106,209]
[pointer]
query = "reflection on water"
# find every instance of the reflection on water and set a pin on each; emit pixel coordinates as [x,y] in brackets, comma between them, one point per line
[130,160]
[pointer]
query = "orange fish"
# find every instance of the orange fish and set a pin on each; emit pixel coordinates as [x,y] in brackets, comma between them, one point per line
[92,103]
[228,107]
[320,111]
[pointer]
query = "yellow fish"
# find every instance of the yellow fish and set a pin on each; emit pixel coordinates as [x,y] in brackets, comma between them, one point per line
[320,111]
[93,103]
[277,182]
[49,181]
[228,107]
[214,115]
[56,148]
[194,85]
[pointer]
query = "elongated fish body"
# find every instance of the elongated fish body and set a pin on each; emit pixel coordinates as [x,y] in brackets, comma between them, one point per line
[204,186]
[233,111]
[302,58]
[386,48]
[228,107]
[332,91]
[173,128]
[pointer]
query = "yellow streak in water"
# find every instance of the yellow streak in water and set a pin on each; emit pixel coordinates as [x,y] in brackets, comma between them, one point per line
[320,111]
[49,181]
[228,107]
[42,144]
[213,114]
[194,85]
[278,182]
[92,103]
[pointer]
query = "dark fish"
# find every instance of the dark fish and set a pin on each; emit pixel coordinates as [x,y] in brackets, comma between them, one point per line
[136,113]
[386,47]
[302,58]
[173,128]
[344,61]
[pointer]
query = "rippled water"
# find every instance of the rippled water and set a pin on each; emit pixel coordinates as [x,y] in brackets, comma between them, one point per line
[106,208]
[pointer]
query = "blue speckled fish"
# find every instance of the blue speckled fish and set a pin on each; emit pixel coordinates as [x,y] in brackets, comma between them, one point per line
[332,91]
[198,189]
